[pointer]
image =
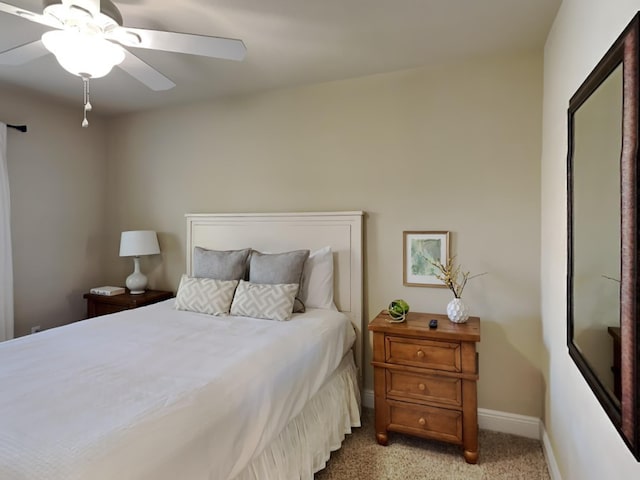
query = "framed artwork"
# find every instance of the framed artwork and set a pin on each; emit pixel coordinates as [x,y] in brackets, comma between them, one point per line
[417,247]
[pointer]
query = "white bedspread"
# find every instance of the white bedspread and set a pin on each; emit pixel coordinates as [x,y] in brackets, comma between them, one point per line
[158,394]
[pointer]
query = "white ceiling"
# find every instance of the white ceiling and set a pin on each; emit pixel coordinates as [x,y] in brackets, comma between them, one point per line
[289,42]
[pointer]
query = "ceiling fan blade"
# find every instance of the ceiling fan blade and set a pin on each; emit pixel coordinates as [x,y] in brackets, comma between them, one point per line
[215,47]
[29,15]
[23,53]
[144,73]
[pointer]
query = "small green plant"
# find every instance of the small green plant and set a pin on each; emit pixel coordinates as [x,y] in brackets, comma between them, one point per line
[398,310]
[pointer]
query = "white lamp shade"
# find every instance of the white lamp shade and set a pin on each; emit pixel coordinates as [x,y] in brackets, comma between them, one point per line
[83,54]
[139,242]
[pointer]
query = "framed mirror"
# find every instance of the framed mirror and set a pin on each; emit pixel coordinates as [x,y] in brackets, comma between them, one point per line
[603,323]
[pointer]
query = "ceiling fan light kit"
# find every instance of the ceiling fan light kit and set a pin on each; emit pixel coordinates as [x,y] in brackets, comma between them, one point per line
[83,54]
[88,38]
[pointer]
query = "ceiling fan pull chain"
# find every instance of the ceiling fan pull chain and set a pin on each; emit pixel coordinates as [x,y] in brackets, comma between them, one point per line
[87,103]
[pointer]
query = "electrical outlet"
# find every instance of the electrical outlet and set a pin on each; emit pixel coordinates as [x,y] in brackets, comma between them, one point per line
[35,329]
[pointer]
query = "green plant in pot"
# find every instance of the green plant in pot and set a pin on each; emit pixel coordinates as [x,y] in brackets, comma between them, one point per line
[398,310]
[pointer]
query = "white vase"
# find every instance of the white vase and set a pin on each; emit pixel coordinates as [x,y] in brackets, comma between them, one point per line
[457,311]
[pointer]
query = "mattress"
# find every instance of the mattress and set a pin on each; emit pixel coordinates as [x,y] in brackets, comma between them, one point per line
[155,393]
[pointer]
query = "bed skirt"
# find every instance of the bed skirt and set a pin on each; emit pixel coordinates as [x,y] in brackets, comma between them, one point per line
[305,444]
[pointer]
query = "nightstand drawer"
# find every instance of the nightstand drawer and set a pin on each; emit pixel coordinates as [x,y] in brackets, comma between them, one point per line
[424,388]
[423,353]
[100,309]
[433,422]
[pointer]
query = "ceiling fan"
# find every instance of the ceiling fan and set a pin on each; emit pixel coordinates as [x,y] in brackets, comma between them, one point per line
[88,37]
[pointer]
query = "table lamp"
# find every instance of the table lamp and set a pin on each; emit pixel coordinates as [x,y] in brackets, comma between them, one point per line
[133,244]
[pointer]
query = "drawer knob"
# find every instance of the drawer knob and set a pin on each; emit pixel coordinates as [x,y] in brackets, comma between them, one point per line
[422,421]
[420,353]
[421,387]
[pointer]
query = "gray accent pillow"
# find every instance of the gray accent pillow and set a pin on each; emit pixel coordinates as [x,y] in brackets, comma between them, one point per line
[218,264]
[279,268]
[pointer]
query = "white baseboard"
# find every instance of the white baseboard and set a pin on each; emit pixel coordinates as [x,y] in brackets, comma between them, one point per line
[504,422]
[521,425]
[367,398]
[552,465]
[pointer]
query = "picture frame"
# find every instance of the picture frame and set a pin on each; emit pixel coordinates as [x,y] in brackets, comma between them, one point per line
[416,247]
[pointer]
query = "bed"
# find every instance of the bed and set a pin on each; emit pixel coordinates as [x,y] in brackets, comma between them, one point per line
[159,393]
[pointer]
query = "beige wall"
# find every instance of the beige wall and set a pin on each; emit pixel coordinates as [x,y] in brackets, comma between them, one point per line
[56,177]
[455,148]
[585,442]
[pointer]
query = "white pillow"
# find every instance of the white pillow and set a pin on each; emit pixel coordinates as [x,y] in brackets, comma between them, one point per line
[316,289]
[264,300]
[205,295]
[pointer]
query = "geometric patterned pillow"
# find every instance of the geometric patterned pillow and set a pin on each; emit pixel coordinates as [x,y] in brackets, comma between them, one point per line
[262,300]
[205,295]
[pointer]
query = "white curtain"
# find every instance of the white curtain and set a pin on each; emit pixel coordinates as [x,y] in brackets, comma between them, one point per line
[6,263]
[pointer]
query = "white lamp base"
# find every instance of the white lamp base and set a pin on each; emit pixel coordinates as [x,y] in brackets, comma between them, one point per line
[137,281]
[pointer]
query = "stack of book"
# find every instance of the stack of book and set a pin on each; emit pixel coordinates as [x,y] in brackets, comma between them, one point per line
[108,291]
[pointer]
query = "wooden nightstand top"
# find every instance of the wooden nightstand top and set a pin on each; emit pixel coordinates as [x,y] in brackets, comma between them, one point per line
[417,324]
[129,300]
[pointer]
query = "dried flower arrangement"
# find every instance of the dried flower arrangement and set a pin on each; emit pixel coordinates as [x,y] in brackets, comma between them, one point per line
[452,276]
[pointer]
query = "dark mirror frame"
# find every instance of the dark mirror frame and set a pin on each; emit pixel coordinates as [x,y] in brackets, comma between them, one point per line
[625,415]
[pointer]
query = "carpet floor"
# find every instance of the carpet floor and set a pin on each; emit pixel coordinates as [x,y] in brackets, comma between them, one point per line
[502,457]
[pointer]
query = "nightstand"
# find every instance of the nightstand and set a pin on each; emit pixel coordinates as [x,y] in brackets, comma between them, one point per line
[103,304]
[425,379]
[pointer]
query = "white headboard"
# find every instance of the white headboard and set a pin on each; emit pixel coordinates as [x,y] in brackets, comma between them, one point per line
[280,232]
